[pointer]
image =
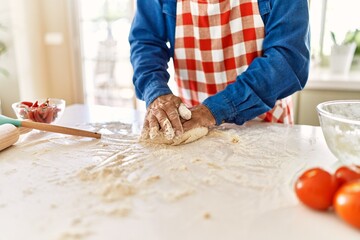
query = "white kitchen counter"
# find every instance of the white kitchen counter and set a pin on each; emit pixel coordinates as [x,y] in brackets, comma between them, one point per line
[324,79]
[235,183]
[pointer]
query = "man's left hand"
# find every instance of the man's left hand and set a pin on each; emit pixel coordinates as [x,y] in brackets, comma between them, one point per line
[200,117]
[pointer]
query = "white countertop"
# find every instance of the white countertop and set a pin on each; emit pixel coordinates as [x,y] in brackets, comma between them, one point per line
[324,79]
[235,183]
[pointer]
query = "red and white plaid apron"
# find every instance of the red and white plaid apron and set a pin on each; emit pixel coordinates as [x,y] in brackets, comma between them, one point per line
[215,41]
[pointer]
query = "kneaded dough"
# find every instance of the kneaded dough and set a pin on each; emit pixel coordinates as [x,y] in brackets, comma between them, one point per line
[184,112]
[188,137]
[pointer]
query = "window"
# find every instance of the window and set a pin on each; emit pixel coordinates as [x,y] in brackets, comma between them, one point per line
[326,16]
[107,74]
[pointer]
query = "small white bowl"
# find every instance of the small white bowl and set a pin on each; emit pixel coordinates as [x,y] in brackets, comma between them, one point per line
[340,123]
[46,111]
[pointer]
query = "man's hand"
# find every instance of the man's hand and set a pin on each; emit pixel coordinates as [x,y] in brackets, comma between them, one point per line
[200,117]
[163,114]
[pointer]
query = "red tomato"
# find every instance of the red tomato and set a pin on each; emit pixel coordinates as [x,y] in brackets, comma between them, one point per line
[28,104]
[346,174]
[316,188]
[35,104]
[347,203]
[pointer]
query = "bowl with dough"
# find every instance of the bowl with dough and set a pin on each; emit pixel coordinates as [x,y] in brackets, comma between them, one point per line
[340,124]
[44,110]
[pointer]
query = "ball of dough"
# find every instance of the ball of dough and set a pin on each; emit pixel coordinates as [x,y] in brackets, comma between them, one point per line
[188,137]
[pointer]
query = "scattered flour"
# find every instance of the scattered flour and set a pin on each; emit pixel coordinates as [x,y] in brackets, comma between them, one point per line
[28,191]
[207,215]
[173,196]
[10,172]
[116,211]
[121,171]
[126,169]
[74,235]
[114,191]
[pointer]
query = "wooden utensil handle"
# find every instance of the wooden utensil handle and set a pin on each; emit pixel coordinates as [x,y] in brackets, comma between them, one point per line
[9,135]
[60,129]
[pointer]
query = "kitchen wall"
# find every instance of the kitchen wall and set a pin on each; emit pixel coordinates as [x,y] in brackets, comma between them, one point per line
[40,53]
[9,87]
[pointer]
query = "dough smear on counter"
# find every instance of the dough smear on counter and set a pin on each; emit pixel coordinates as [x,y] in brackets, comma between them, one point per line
[188,137]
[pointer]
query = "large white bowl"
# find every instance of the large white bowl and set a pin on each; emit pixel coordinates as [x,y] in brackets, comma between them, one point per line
[340,123]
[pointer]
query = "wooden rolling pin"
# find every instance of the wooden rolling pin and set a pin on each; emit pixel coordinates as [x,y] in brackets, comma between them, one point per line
[9,134]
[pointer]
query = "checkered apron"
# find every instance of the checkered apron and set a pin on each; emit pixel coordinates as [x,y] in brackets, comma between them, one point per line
[215,41]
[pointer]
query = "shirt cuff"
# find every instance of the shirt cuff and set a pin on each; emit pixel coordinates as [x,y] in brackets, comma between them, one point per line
[220,107]
[154,90]
[232,107]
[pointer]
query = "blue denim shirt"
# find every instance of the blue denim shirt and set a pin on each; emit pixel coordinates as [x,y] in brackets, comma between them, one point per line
[282,70]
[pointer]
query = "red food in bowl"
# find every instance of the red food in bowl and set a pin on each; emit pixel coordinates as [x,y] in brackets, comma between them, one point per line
[45,112]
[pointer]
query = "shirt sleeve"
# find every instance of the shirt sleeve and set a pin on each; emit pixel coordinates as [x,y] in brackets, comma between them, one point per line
[149,53]
[282,70]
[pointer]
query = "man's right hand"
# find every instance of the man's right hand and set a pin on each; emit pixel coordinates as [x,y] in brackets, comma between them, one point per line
[163,114]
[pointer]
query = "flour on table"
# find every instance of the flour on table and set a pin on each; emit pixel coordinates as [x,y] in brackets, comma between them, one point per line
[118,211]
[207,215]
[177,195]
[118,190]
[28,192]
[125,171]
[188,137]
[12,171]
[76,221]
[179,168]
[74,236]
[53,206]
